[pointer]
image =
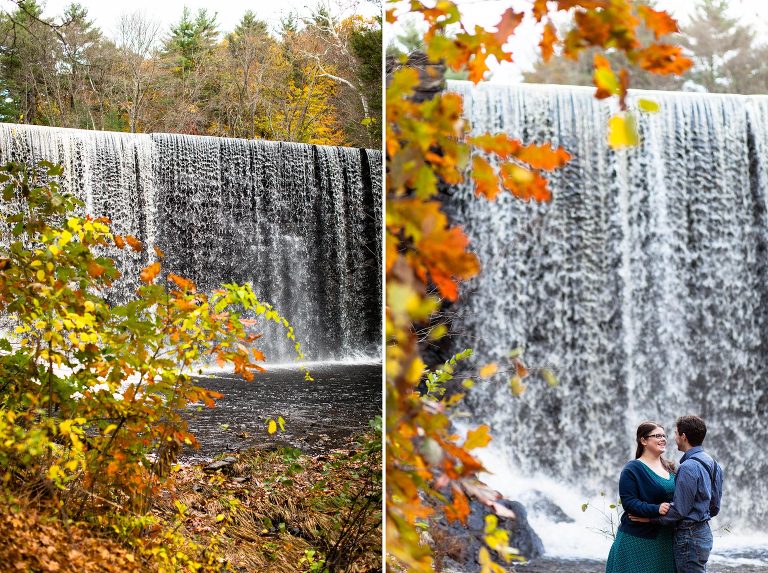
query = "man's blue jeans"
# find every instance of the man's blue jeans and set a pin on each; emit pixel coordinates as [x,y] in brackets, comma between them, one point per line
[693,542]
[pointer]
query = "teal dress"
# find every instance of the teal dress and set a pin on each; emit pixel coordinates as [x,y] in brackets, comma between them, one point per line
[642,548]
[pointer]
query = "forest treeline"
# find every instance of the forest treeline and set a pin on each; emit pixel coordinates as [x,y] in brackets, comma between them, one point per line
[313,78]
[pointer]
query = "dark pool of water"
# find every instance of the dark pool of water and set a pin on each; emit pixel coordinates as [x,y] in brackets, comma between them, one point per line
[319,416]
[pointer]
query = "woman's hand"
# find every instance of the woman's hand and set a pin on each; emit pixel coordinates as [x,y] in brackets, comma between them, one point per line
[663,508]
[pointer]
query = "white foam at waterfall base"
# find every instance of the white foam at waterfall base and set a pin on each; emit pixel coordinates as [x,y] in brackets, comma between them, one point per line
[584,538]
[354,360]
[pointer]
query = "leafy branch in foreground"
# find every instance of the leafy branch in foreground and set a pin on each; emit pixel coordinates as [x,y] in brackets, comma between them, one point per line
[92,395]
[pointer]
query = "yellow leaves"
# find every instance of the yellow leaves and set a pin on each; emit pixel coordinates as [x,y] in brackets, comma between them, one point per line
[150,272]
[40,275]
[477,438]
[605,80]
[648,106]
[64,238]
[516,385]
[549,376]
[65,427]
[271,427]
[425,182]
[487,564]
[497,539]
[488,370]
[181,507]
[622,131]
[53,472]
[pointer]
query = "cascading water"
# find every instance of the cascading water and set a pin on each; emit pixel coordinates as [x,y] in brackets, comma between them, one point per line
[300,222]
[643,284]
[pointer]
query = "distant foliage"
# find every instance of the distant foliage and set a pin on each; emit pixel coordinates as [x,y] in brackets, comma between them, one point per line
[315,80]
[429,144]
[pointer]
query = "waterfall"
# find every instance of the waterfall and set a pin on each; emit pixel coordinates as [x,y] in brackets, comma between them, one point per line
[643,284]
[301,223]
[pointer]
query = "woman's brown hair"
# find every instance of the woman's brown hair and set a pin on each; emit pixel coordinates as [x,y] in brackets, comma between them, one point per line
[643,430]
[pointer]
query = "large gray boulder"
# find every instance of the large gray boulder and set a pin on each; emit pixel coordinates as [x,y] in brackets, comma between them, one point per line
[457,546]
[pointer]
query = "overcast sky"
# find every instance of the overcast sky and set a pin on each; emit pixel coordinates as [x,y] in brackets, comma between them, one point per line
[105,13]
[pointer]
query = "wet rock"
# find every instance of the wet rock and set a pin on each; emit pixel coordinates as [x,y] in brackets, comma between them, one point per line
[543,505]
[457,546]
[224,465]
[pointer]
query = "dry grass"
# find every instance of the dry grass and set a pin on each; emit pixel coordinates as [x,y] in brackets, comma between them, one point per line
[275,506]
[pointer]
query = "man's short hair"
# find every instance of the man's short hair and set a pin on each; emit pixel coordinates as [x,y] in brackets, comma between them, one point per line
[693,427]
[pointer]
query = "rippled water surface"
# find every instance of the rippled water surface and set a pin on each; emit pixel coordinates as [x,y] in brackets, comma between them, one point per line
[319,416]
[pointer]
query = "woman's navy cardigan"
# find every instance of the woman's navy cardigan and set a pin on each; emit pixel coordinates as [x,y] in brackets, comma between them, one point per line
[641,495]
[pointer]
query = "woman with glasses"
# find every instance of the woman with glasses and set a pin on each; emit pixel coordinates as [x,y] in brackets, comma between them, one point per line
[646,486]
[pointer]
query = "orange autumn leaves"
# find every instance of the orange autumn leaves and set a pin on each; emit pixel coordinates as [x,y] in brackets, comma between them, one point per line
[430,145]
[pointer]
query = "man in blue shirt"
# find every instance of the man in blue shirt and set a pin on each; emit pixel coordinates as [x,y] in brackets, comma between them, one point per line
[698,490]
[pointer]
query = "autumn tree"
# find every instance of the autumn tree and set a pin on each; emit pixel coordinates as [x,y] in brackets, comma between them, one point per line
[348,51]
[187,56]
[252,61]
[137,37]
[726,55]
[427,257]
[26,63]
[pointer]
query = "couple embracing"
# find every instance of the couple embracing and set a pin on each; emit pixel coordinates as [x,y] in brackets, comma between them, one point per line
[664,528]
